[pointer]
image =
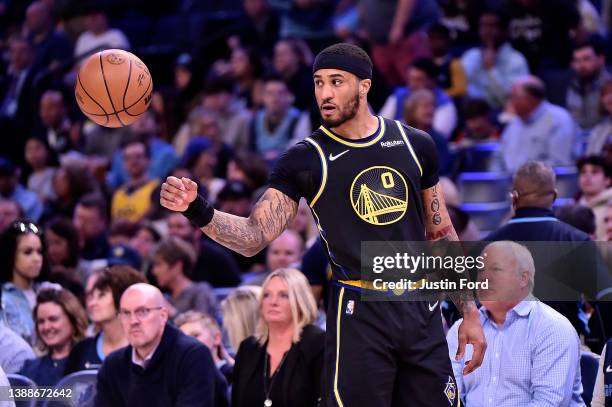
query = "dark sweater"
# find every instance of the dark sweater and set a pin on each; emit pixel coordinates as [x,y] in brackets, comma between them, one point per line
[180,373]
[84,356]
[44,370]
[297,383]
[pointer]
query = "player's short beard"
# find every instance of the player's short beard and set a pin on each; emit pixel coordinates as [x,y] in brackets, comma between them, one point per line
[346,113]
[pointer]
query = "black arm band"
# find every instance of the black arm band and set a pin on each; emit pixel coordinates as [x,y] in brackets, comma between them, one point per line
[200,212]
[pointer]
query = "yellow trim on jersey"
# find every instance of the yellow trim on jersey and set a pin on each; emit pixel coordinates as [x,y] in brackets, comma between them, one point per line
[323,170]
[338,316]
[416,160]
[351,144]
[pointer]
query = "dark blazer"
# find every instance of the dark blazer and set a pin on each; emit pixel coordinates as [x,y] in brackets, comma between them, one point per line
[300,379]
[180,373]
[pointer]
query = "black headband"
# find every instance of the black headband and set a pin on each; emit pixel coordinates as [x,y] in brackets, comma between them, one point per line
[328,60]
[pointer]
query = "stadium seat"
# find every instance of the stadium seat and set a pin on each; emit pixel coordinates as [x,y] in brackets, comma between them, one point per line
[484,187]
[83,385]
[567,181]
[559,202]
[477,157]
[222,292]
[589,363]
[487,215]
[22,381]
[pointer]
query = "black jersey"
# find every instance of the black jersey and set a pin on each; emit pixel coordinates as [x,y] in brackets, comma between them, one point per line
[365,190]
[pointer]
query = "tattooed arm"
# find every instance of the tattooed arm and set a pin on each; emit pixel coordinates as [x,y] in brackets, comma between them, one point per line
[439,227]
[248,236]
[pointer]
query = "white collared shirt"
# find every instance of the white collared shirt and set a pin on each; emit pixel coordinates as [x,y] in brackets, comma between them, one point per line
[137,360]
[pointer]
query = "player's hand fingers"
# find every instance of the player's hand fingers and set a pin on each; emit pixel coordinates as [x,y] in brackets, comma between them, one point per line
[175,182]
[171,189]
[477,356]
[461,342]
[190,185]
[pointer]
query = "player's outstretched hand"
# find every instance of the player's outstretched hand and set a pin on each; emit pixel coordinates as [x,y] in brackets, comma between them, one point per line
[176,194]
[470,331]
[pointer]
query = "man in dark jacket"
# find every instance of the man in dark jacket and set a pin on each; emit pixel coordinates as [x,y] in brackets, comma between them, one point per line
[566,263]
[162,366]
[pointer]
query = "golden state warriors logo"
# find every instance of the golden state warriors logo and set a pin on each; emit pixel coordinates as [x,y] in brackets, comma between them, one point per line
[379,195]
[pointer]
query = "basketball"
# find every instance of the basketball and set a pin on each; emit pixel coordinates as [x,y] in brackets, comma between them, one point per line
[113,88]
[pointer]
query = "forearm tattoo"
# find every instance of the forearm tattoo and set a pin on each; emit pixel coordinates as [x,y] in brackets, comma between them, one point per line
[247,236]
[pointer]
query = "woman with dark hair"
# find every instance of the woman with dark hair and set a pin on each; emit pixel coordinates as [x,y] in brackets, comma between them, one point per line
[41,165]
[246,69]
[60,323]
[62,246]
[21,262]
[102,302]
[70,183]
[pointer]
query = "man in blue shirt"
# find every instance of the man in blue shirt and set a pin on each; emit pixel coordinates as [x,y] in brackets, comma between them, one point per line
[533,357]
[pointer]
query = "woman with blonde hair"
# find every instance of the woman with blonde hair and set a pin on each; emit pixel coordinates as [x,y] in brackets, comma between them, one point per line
[240,311]
[282,363]
[60,323]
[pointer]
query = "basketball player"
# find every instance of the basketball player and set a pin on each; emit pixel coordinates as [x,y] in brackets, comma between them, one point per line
[377,353]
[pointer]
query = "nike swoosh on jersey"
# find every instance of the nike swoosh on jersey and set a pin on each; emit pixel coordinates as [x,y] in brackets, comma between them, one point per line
[432,307]
[609,369]
[335,157]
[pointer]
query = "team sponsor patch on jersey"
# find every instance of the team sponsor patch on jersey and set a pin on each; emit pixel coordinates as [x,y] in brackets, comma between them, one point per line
[394,143]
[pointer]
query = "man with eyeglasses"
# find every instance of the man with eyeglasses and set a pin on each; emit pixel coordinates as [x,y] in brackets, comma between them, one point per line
[161,366]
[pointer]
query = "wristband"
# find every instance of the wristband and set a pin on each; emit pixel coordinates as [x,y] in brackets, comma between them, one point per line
[199,212]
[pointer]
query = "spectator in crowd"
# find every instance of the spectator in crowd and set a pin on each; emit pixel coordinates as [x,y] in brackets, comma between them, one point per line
[56,126]
[38,157]
[533,354]
[422,75]
[11,362]
[246,68]
[70,183]
[542,33]
[579,216]
[163,158]
[310,21]
[601,392]
[608,222]
[200,159]
[144,242]
[547,130]
[451,75]
[10,211]
[397,30]
[21,257]
[4,382]
[285,251]
[466,228]
[98,35]
[233,118]
[290,60]
[248,168]
[102,301]
[62,249]
[594,185]
[132,200]
[173,262]
[479,125]
[90,220]
[240,310]
[601,133]
[419,111]
[493,66]
[259,27]
[18,90]
[304,225]
[583,99]
[462,18]
[278,124]
[52,47]
[206,330]
[287,350]
[60,323]
[167,366]
[10,188]
[214,264]
[121,232]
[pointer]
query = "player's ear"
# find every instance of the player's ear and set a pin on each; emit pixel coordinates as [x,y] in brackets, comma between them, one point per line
[364,86]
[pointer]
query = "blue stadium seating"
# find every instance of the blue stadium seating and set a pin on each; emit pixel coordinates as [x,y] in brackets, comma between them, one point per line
[589,364]
[484,187]
[487,215]
[567,181]
[83,384]
[22,381]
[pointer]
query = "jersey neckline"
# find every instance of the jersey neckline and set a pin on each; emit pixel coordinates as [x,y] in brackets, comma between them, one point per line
[364,142]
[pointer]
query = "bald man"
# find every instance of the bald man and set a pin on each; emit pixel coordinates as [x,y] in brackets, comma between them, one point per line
[161,366]
[540,130]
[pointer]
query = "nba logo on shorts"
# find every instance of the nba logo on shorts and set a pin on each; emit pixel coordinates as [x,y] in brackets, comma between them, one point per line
[350,307]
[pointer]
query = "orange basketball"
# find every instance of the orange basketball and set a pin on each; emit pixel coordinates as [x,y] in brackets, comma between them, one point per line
[113,88]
